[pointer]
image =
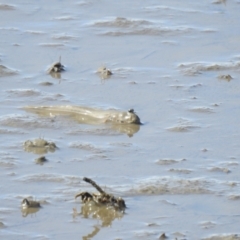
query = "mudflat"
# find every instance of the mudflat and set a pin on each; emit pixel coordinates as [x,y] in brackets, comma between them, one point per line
[176,64]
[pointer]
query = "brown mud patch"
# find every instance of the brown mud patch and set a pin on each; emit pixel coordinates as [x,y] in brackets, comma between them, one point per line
[197,68]
[140,27]
[26,122]
[183,125]
[5,71]
[177,170]
[202,109]
[223,237]
[23,93]
[169,161]
[173,186]
[87,147]
[7,7]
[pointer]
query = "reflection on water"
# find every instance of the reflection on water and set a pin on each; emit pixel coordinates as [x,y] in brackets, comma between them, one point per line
[130,130]
[92,234]
[29,211]
[38,150]
[56,75]
[105,214]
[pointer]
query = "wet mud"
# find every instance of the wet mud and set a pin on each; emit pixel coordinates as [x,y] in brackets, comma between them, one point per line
[4,71]
[140,27]
[198,68]
[6,6]
[175,63]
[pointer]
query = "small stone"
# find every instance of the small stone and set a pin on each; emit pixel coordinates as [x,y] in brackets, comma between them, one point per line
[163,236]
[227,77]
[41,160]
[46,83]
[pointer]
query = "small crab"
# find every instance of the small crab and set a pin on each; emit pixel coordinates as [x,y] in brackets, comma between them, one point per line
[104,72]
[39,146]
[40,142]
[101,198]
[56,67]
[26,203]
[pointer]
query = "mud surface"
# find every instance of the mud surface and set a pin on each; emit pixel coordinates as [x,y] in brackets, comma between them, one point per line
[177,64]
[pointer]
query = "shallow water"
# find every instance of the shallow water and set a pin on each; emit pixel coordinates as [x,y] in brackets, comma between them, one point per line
[178,172]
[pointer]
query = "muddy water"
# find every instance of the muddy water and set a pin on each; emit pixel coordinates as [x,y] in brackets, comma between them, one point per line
[178,173]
